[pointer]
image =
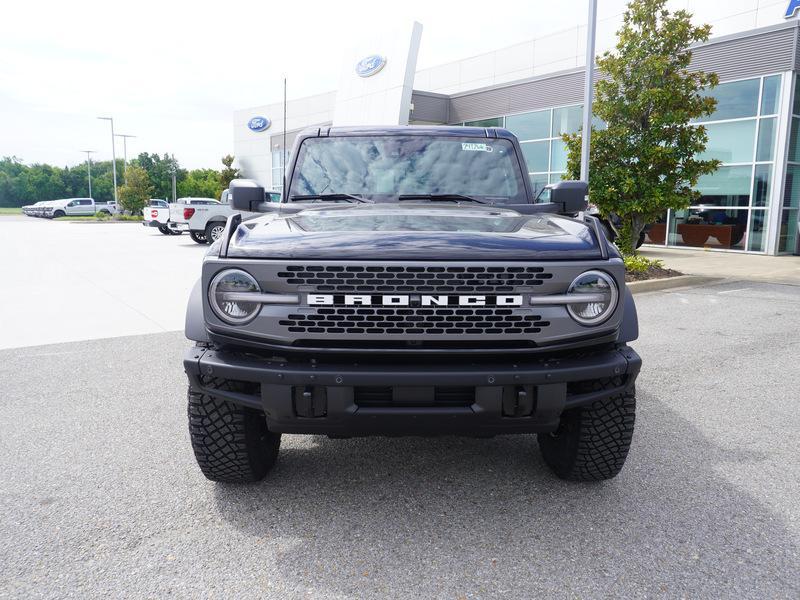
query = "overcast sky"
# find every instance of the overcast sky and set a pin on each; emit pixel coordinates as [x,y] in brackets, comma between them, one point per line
[171,73]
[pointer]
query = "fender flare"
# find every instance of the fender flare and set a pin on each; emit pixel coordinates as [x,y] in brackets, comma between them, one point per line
[629,330]
[195,327]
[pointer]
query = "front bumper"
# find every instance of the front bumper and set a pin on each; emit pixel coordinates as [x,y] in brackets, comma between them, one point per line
[525,396]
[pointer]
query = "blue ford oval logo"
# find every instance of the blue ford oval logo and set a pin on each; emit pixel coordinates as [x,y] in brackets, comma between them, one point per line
[370,65]
[259,123]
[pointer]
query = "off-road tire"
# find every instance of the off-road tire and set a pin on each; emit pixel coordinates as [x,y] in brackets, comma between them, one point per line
[591,443]
[231,443]
[198,238]
[211,227]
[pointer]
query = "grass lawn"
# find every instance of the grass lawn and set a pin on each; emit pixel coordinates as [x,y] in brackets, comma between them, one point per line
[6,210]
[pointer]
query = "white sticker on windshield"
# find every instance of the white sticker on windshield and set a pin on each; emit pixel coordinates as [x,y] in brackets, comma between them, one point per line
[475,147]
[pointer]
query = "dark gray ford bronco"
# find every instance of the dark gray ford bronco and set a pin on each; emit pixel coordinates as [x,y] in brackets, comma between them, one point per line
[408,283]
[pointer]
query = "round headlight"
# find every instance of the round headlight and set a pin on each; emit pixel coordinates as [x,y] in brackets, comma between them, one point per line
[601,297]
[227,295]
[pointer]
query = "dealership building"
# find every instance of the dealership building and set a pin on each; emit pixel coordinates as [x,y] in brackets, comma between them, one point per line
[535,89]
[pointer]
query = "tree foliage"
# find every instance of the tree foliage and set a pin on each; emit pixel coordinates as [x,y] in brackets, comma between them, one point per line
[22,184]
[645,160]
[134,195]
[228,174]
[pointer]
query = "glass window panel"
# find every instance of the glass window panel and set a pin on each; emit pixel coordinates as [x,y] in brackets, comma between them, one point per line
[766,140]
[708,228]
[769,95]
[791,194]
[567,120]
[762,183]
[496,122]
[656,232]
[735,100]
[787,232]
[796,108]
[727,186]
[794,142]
[530,126]
[536,155]
[757,238]
[730,142]
[555,177]
[558,156]
[276,158]
[538,181]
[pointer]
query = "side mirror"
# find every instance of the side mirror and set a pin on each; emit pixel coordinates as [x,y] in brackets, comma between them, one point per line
[569,196]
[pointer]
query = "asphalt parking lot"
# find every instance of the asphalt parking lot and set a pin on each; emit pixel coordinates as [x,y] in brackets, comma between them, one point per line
[100,495]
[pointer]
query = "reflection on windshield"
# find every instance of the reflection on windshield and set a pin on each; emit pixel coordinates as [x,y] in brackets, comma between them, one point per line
[534,227]
[390,166]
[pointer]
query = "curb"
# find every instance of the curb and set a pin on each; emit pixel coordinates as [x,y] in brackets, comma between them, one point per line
[109,222]
[668,283]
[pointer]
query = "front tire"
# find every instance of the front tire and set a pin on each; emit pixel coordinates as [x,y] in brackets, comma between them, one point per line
[58,214]
[231,443]
[197,238]
[591,443]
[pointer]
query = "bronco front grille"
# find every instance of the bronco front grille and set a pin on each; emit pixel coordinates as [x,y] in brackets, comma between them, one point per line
[421,279]
[415,321]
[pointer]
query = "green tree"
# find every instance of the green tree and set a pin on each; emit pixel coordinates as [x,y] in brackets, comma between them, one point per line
[646,160]
[228,174]
[159,169]
[201,183]
[134,195]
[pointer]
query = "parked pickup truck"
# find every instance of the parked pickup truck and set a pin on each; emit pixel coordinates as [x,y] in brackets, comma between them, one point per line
[205,223]
[156,214]
[74,207]
[415,288]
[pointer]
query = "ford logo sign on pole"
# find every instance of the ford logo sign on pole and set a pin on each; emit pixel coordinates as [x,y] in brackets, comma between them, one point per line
[370,65]
[259,123]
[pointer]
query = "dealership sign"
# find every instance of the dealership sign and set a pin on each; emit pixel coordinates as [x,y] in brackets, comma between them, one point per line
[792,9]
[258,124]
[367,67]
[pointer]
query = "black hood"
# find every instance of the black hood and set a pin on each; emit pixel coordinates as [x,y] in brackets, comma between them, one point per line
[414,232]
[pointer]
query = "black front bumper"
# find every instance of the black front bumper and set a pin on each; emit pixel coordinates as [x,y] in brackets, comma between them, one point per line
[471,398]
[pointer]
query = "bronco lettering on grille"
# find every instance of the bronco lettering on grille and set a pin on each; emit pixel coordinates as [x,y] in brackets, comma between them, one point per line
[410,300]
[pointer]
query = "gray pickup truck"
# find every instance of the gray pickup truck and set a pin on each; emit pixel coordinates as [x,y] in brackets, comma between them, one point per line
[409,283]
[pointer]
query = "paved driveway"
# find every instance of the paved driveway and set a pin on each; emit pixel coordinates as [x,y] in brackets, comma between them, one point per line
[66,281]
[100,496]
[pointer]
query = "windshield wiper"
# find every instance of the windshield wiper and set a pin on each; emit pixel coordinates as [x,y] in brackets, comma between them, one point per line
[441,198]
[327,197]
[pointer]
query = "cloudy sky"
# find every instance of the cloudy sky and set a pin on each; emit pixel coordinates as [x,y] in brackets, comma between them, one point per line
[171,73]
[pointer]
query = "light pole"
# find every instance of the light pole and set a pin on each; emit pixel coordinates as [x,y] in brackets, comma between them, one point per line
[125,137]
[113,156]
[89,168]
[588,92]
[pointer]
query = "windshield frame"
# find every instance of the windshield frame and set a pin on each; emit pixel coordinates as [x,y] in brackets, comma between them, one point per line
[524,192]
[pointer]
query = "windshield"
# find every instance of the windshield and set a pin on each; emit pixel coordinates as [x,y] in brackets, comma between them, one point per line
[390,166]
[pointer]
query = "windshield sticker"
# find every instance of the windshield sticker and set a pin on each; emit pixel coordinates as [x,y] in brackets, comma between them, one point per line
[474,147]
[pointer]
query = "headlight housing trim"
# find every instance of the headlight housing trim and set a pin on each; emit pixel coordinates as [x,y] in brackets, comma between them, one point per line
[578,312]
[250,309]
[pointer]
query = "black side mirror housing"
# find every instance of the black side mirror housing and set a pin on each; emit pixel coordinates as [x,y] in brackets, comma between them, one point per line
[569,196]
[246,195]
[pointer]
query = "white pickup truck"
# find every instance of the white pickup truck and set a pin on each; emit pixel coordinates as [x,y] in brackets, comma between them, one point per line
[206,222]
[156,214]
[73,207]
